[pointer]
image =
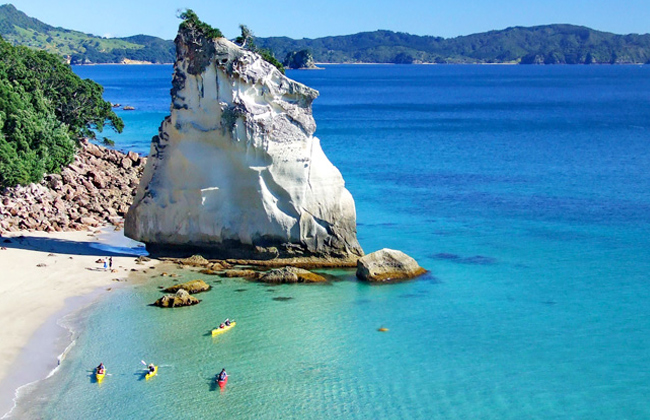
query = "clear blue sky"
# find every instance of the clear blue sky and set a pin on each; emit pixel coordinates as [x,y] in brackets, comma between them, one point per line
[316,18]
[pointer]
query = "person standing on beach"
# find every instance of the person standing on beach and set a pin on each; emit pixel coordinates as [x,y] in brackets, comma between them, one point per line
[110,263]
[105,264]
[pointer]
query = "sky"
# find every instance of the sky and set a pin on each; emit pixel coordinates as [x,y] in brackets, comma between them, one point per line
[317,18]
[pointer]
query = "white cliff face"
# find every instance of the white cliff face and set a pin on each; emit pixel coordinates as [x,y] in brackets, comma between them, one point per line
[235,169]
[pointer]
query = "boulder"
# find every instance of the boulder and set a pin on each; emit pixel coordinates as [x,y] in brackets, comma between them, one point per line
[244,274]
[194,261]
[387,265]
[235,171]
[192,287]
[290,275]
[178,299]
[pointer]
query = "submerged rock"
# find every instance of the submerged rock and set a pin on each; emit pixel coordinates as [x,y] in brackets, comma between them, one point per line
[178,299]
[245,274]
[290,275]
[387,265]
[235,171]
[193,286]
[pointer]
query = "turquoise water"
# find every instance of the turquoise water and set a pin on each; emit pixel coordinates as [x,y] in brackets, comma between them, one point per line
[523,189]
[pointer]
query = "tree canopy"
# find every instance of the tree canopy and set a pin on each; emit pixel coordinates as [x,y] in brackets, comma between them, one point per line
[44,110]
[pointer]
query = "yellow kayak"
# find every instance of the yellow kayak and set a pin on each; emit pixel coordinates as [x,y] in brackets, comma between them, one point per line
[218,331]
[151,374]
[99,376]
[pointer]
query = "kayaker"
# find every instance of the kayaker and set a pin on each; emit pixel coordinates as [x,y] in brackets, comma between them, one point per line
[227,322]
[222,326]
[222,375]
[152,368]
[101,368]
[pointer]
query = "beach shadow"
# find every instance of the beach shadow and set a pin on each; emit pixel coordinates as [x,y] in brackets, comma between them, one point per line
[66,247]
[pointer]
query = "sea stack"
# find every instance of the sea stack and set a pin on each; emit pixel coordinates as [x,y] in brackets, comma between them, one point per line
[235,171]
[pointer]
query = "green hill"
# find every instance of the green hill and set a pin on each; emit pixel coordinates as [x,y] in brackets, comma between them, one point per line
[20,29]
[549,44]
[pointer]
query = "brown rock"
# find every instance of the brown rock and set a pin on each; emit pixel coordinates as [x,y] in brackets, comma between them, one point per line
[192,287]
[178,299]
[290,275]
[194,261]
[244,274]
[387,265]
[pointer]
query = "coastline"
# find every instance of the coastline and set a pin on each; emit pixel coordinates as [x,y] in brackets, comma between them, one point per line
[38,298]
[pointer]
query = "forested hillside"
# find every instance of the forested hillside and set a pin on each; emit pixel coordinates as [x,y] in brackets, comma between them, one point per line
[550,44]
[78,47]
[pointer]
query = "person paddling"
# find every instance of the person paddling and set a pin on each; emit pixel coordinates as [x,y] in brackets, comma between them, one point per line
[101,369]
[222,375]
[152,368]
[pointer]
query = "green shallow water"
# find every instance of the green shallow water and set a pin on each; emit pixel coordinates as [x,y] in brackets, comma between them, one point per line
[297,350]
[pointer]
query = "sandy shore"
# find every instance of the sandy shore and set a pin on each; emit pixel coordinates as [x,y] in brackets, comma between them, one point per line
[44,277]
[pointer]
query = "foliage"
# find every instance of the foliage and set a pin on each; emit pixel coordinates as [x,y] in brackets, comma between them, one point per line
[247,41]
[540,44]
[245,37]
[191,21]
[302,59]
[81,48]
[44,109]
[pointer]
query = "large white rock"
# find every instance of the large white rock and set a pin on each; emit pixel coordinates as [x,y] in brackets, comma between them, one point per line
[235,170]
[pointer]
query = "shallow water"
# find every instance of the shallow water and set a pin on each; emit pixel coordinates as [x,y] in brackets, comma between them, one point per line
[523,189]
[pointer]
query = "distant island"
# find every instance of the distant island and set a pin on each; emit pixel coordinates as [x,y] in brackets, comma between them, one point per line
[547,44]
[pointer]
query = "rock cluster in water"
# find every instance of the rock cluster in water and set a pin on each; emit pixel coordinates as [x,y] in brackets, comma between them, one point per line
[97,188]
[191,287]
[177,300]
[235,171]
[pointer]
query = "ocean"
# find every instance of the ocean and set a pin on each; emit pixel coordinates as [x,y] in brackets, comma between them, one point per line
[523,189]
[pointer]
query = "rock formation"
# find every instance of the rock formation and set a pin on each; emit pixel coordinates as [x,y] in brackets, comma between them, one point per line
[179,299]
[96,188]
[387,265]
[191,287]
[290,275]
[235,171]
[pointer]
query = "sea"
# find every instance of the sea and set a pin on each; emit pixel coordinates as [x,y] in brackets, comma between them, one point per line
[524,190]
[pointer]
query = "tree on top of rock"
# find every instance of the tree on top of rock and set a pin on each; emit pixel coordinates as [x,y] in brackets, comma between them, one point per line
[247,41]
[192,23]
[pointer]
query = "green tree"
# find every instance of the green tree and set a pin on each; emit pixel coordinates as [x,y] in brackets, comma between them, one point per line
[44,110]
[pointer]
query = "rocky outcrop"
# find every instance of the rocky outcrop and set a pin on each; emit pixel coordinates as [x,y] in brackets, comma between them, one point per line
[300,60]
[177,300]
[290,275]
[235,171]
[244,274]
[387,265]
[191,287]
[96,188]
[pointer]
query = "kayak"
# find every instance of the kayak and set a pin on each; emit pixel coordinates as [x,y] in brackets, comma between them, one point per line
[218,331]
[99,376]
[151,374]
[222,383]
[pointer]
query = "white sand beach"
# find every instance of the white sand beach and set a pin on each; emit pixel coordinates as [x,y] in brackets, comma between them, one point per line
[45,276]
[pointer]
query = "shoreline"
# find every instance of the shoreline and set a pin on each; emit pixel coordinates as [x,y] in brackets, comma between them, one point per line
[38,298]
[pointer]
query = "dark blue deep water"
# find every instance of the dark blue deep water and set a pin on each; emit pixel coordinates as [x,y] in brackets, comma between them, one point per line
[525,190]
